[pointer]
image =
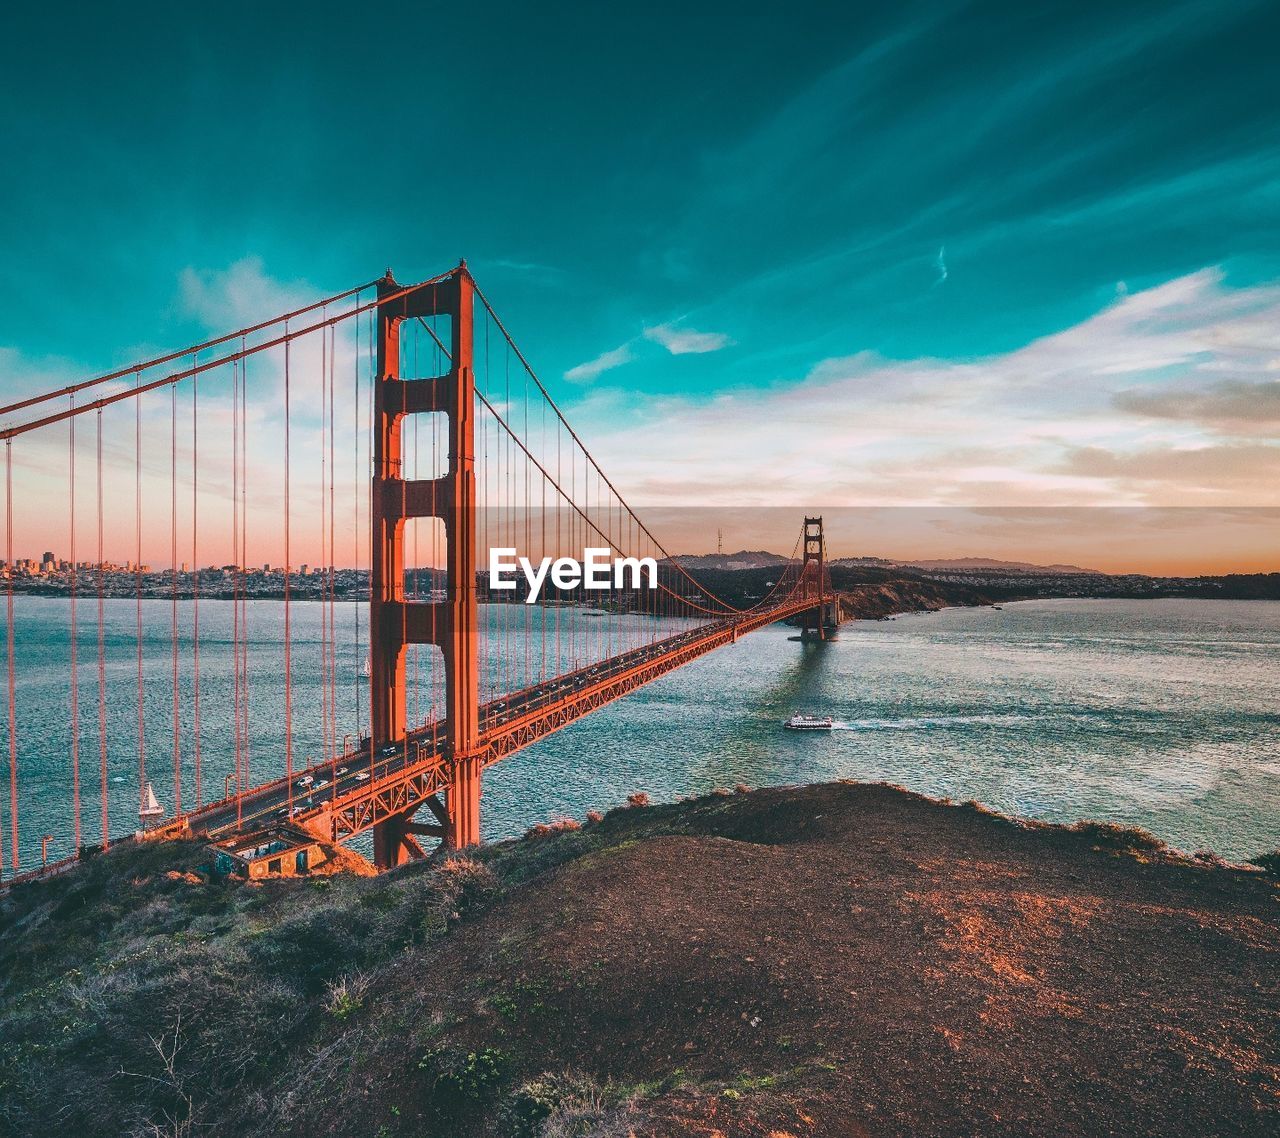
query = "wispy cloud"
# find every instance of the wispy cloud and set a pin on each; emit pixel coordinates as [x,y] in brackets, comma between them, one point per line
[241,294]
[1144,404]
[685,341]
[533,270]
[606,361]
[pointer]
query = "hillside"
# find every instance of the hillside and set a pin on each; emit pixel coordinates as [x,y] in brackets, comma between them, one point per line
[831,961]
[953,563]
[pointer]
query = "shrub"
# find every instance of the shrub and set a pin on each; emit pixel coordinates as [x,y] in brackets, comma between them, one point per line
[594,816]
[1113,836]
[473,1077]
[741,788]
[559,826]
[638,799]
[568,1106]
[1270,862]
[346,995]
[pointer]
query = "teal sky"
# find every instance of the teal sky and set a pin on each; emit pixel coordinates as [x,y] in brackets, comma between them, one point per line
[877,227]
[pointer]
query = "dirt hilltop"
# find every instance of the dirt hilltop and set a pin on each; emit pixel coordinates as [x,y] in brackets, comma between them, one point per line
[825,961]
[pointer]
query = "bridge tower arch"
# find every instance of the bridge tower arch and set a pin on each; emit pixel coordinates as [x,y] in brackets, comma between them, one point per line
[451,624]
[813,572]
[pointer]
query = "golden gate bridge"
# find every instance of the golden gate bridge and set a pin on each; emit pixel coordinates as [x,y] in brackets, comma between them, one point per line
[389,424]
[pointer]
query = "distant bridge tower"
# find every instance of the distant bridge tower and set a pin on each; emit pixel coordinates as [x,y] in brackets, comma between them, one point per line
[816,622]
[450,625]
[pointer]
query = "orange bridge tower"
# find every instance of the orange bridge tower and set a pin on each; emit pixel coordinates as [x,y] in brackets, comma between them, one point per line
[451,624]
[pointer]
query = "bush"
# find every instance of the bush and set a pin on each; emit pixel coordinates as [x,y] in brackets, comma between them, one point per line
[568,1106]
[346,995]
[470,1078]
[1269,861]
[559,826]
[1113,836]
[638,799]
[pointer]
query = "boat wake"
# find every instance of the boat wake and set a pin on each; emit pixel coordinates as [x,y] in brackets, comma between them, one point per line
[924,722]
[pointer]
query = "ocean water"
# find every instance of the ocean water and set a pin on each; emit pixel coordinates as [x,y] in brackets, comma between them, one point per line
[1163,714]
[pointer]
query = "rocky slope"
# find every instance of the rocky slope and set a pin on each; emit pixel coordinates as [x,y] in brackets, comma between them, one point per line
[816,961]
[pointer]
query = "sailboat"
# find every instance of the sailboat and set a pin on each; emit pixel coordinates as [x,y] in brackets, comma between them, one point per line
[366,669]
[150,810]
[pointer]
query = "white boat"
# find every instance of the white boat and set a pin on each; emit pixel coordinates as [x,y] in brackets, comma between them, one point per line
[150,807]
[809,723]
[366,669]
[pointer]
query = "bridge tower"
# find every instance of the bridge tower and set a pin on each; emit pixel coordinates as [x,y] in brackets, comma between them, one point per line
[815,552]
[451,624]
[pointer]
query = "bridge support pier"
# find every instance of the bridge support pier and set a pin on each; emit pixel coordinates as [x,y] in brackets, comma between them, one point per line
[450,625]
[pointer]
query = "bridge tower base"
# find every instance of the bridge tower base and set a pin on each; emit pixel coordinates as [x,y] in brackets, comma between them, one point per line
[451,624]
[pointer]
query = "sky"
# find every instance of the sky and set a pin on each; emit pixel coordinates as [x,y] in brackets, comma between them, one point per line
[971,260]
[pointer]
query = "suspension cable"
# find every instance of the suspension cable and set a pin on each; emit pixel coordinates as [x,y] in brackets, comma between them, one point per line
[159,360]
[585,451]
[177,377]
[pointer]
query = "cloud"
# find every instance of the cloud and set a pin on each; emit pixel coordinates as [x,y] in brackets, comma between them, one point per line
[1159,399]
[535,270]
[685,341]
[239,295]
[1227,464]
[607,361]
[1234,406]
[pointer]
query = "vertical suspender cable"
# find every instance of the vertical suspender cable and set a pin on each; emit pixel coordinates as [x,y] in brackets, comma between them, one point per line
[75,671]
[288,569]
[195,582]
[102,662]
[368,482]
[237,558]
[416,375]
[244,596]
[137,580]
[333,549]
[173,572]
[13,718]
[355,532]
[324,613]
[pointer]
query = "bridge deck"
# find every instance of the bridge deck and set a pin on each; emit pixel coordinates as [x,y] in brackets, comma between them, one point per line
[352,793]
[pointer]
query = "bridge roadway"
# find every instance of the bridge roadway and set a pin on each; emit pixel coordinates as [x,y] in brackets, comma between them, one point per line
[351,793]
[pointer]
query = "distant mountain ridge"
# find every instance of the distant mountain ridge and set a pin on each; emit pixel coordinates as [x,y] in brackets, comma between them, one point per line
[762,558]
[743,559]
[961,563]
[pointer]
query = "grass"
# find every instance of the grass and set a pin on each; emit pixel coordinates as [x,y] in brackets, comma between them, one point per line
[141,995]
[144,949]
